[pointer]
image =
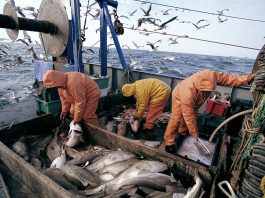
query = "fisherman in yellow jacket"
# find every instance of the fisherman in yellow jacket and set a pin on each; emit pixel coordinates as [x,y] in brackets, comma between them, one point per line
[151,95]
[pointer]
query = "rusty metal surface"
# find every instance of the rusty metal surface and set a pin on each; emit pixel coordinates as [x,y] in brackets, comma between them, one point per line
[10,11]
[54,12]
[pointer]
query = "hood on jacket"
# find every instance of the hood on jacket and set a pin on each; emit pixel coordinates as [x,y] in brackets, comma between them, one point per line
[128,89]
[205,80]
[54,79]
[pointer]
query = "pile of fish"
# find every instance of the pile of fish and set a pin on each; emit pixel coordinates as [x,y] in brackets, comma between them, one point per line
[94,171]
[120,124]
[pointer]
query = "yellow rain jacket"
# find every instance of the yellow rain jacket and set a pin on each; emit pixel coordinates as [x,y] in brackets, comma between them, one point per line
[79,94]
[190,94]
[146,91]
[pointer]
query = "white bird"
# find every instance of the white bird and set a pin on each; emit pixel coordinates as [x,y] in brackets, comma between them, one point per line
[13,97]
[131,13]
[169,58]
[126,46]
[137,46]
[59,161]
[173,41]
[134,62]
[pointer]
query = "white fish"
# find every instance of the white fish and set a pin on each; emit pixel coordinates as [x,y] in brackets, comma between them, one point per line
[74,139]
[111,158]
[140,168]
[196,190]
[105,177]
[116,168]
[59,161]
[75,135]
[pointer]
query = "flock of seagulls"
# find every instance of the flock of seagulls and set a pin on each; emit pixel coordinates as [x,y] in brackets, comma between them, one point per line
[147,17]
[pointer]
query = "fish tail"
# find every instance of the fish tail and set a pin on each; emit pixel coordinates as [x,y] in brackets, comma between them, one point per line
[95,190]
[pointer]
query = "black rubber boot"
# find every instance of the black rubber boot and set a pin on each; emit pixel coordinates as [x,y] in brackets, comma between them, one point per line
[171,149]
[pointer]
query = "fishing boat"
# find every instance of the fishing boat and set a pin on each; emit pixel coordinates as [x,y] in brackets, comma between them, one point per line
[184,166]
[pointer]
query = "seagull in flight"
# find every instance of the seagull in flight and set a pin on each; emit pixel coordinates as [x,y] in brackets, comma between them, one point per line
[137,46]
[163,25]
[221,20]
[147,13]
[166,12]
[173,41]
[132,13]
[153,47]
[199,27]
[134,61]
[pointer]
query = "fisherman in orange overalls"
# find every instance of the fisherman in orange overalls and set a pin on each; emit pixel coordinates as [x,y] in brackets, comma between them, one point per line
[79,95]
[151,94]
[189,95]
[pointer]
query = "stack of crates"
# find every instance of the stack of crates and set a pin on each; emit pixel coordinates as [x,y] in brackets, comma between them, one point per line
[48,101]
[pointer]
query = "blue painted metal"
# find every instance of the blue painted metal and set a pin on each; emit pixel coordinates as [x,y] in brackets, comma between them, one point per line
[105,19]
[70,52]
[115,39]
[76,32]
[103,39]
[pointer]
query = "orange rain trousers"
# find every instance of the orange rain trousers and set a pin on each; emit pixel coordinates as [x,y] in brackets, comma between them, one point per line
[89,115]
[154,111]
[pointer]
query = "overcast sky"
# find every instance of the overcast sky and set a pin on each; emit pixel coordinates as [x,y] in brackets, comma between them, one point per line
[233,31]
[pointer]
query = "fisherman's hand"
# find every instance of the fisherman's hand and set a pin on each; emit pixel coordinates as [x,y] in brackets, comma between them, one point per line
[251,77]
[75,122]
[135,125]
[132,119]
[63,115]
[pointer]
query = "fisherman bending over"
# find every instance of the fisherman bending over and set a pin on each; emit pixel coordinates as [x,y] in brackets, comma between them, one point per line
[189,95]
[79,95]
[151,94]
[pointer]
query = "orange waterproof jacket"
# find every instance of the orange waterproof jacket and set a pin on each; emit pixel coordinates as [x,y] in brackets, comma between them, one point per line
[192,92]
[145,91]
[75,89]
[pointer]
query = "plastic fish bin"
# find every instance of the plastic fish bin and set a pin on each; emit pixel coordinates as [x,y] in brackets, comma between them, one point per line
[103,84]
[217,108]
[49,94]
[48,107]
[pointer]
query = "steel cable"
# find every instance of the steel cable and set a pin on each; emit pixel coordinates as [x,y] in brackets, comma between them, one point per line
[193,38]
[199,11]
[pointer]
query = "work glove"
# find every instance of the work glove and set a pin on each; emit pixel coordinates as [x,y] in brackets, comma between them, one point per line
[63,115]
[135,125]
[251,77]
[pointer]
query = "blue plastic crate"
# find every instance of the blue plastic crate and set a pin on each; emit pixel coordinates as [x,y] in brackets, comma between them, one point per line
[48,107]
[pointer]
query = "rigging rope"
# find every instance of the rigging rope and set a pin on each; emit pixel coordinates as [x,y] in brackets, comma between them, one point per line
[127,76]
[204,12]
[193,38]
